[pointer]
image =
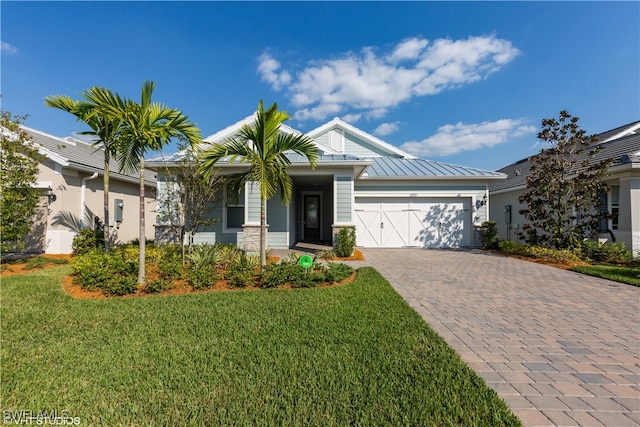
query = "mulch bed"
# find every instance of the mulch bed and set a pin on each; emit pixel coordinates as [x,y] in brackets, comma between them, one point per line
[179,287]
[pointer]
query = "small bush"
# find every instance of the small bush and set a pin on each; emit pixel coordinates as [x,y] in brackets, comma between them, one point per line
[613,253]
[337,272]
[242,273]
[346,242]
[157,285]
[327,254]
[170,269]
[558,255]
[87,240]
[120,285]
[113,272]
[510,247]
[202,276]
[308,279]
[275,275]
[205,255]
[489,235]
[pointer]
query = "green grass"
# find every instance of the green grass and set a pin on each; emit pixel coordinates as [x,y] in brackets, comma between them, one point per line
[350,355]
[628,275]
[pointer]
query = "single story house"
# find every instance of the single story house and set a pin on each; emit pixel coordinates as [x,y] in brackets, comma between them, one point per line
[70,180]
[622,146]
[392,198]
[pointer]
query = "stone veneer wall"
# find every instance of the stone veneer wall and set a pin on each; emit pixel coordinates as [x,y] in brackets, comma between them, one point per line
[251,238]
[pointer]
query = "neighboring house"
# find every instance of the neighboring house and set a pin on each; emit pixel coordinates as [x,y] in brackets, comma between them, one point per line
[622,146]
[70,180]
[392,198]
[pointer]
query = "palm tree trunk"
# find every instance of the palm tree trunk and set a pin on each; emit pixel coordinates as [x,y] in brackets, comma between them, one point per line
[263,233]
[106,201]
[141,235]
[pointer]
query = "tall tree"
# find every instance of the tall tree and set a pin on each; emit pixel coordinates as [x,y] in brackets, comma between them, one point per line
[103,127]
[564,187]
[263,146]
[19,160]
[146,126]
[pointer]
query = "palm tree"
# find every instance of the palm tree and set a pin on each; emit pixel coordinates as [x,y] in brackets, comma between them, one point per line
[264,148]
[146,126]
[103,128]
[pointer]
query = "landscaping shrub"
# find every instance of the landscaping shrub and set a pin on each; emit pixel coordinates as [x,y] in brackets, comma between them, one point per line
[87,240]
[346,242]
[113,272]
[242,273]
[205,255]
[202,276]
[327,254]
[613,253]
[308,279]
[229,255]
[510,247]
[156,285]
[120,285]
[275,275]
[558,255]
[489,235]
[337,272]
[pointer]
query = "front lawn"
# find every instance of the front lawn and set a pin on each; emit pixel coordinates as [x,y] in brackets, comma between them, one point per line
[628,275]
[350,355]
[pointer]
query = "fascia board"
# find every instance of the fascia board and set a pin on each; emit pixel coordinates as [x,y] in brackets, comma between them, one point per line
[431,178]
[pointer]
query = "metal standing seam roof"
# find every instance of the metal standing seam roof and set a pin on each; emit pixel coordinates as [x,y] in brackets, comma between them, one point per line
[395,167]
[293,157]
[83,156]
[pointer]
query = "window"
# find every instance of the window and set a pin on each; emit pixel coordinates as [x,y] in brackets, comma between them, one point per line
[234,209]
[603,225]
[615,206]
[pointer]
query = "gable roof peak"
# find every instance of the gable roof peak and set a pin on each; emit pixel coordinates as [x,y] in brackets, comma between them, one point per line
[337,122]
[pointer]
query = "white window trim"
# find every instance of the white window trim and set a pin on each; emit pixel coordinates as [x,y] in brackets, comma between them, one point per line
[225,205]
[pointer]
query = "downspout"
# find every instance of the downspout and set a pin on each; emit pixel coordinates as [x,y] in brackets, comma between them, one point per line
[83,205]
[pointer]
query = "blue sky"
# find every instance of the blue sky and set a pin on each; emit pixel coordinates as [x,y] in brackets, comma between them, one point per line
[460,82]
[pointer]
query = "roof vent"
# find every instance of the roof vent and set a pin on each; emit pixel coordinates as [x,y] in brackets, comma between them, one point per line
[518,172]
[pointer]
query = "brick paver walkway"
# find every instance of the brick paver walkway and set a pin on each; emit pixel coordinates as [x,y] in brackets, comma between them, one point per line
[559,347]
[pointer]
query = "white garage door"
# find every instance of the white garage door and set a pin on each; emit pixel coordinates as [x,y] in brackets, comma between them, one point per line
[413,222]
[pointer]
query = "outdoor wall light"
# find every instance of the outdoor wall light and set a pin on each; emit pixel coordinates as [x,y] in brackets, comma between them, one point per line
[51,197]
[484,200]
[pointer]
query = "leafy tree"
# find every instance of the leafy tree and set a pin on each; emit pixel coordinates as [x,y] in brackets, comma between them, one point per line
[144,126]
[263,147]
[564,187]
[186,199]
[103,127]
[19,160]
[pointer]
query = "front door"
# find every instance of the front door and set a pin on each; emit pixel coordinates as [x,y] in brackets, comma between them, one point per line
[312,217]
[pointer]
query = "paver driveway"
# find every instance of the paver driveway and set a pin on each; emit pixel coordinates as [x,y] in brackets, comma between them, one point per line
[559,347]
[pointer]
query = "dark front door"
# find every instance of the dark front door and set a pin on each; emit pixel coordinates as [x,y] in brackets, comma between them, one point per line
[311,217]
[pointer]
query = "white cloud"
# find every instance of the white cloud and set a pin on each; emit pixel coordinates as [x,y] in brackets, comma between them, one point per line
[452,139]
[268,68]
[386,128]
[408,49]
[8,48]
[352,118]
[371,84]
